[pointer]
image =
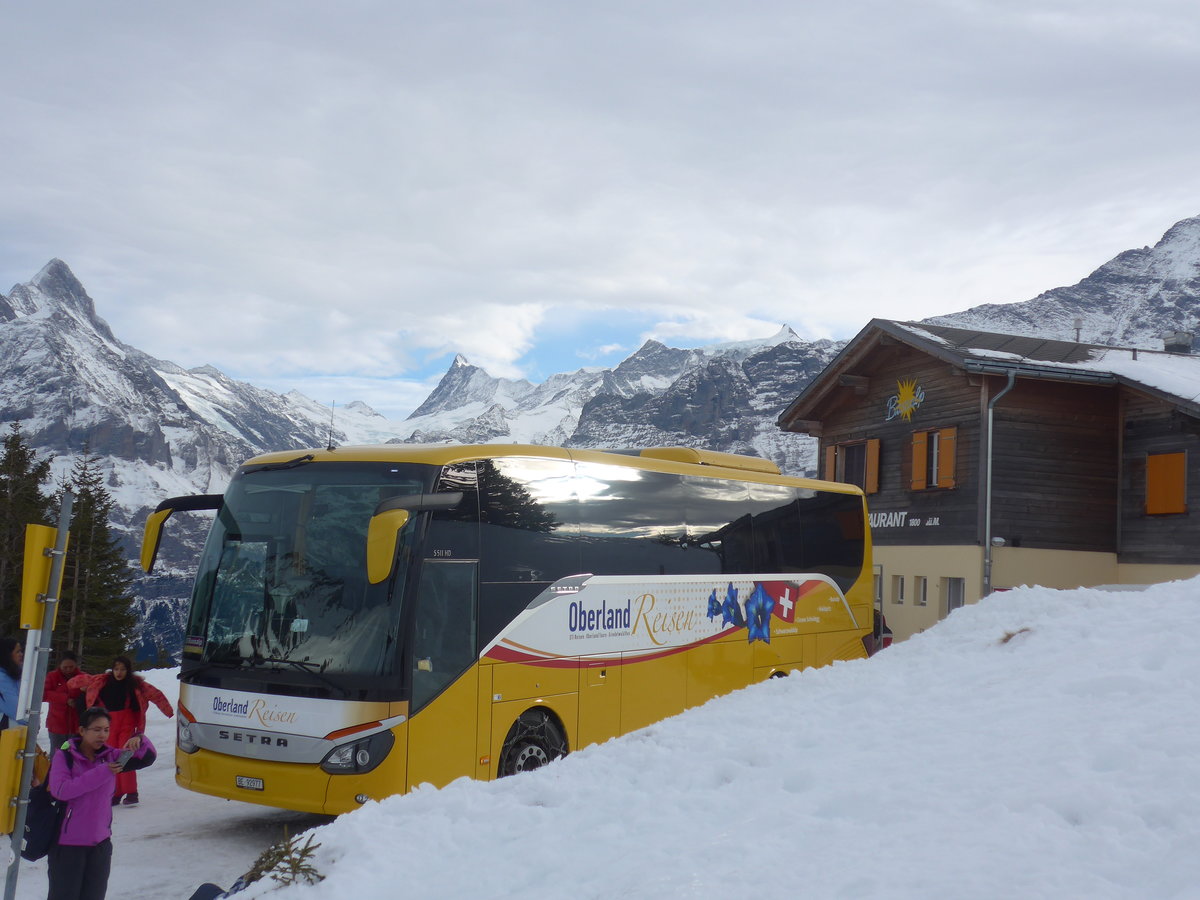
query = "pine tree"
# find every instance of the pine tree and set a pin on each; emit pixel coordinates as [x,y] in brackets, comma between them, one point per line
[96,617]
[22,503]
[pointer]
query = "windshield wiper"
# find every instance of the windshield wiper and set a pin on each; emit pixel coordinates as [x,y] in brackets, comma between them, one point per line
[302,665]
[204,665]
[287,464]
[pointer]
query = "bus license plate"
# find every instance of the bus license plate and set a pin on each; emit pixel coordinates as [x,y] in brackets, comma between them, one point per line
[250,784]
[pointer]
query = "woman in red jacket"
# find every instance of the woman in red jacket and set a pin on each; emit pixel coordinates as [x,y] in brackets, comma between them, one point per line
[126,697]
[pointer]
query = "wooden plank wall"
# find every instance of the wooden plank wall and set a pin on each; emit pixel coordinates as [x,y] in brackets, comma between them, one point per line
[950,399]
[1152,426]
[1055,463]
[1055,480]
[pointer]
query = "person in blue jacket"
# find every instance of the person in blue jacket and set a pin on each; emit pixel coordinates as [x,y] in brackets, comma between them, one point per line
[12,658]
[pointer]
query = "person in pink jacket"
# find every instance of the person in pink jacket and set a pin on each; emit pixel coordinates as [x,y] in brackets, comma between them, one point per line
[81,859]
[126,697]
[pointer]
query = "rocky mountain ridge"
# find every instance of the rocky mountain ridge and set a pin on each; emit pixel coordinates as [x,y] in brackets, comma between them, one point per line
[163,430]
[1130,301]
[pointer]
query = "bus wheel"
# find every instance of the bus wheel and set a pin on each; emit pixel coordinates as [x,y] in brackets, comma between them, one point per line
[532,742]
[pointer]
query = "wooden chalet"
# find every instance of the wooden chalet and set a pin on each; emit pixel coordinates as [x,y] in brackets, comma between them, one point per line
[992,461]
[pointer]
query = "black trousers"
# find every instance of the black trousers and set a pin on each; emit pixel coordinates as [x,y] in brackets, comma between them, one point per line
[79,873]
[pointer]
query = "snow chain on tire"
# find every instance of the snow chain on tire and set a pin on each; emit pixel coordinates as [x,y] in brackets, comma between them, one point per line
[533,741]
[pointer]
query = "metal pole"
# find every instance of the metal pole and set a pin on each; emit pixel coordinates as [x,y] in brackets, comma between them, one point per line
[987,511]
[34,709]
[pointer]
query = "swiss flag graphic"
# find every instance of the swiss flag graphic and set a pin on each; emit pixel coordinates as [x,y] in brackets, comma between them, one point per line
[786,595]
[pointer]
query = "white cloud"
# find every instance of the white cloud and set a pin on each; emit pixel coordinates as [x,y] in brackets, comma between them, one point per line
[290,190]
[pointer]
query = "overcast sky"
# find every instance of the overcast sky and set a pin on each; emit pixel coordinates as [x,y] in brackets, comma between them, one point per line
[340,197]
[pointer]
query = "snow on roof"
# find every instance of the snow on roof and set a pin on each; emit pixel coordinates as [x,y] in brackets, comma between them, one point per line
[1172,373]
[1176,374]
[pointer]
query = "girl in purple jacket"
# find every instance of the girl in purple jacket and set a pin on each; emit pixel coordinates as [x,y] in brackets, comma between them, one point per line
[80,861]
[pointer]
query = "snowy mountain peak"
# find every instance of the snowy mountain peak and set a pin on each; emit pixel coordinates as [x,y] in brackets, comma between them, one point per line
[56,292]
[785,333]
[56,274]
[1130,301]
[359,407]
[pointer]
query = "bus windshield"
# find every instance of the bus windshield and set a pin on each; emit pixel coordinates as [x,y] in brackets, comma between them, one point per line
[283,582]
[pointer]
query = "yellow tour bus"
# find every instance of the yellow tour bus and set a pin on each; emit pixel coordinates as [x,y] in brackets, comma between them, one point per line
[368,619]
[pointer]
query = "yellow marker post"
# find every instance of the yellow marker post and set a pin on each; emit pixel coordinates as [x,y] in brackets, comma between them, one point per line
[35,582]
[12,745]
[45,558]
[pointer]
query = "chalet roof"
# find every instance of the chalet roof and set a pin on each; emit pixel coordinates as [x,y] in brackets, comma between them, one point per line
[1172,377]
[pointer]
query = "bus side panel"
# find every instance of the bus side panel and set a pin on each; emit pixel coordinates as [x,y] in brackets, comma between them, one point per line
[484,768]
[785,652]
[717,668]
[599,701]
[441,737]
[518,681]
[652,690]
[837,646]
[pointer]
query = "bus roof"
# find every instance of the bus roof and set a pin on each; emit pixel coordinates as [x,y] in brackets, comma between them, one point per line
[664,459]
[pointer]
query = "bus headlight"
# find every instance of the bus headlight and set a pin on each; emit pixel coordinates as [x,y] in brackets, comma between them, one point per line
[359,756]
[184,736]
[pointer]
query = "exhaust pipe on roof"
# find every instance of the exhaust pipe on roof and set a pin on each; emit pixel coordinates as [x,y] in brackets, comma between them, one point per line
[1177,341]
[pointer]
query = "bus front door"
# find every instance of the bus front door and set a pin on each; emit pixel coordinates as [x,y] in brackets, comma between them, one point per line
[445,676]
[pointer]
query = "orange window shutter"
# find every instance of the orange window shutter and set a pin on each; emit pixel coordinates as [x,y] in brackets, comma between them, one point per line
[1166,484]
[947,446]
[872,479]
[831,463]
[920,449]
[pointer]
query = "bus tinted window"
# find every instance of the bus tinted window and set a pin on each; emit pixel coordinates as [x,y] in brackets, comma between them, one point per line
[718,524]
[454,533]
[630,521]
[777,540]
[832,535]
[527,514]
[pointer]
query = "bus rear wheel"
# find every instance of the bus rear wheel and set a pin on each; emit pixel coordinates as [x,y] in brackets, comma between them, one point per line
[533,741]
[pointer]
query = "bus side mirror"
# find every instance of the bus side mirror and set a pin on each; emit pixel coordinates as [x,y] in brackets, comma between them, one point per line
[152,535]
[382,532]
[154,522]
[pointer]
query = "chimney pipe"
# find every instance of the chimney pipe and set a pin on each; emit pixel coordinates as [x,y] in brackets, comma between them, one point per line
[1177,341]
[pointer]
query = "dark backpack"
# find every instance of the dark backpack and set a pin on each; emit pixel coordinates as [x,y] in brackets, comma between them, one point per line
[43,817]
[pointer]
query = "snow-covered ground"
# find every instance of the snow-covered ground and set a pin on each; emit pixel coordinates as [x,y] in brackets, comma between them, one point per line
[1041,744]
[175,840]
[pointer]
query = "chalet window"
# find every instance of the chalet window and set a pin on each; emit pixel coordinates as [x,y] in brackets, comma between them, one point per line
[1166,484]
[933,454]
[854,462]
[897,588]
[956,592]
[920,590]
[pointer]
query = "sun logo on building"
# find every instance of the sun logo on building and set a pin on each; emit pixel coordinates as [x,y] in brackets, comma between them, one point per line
[909,395]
